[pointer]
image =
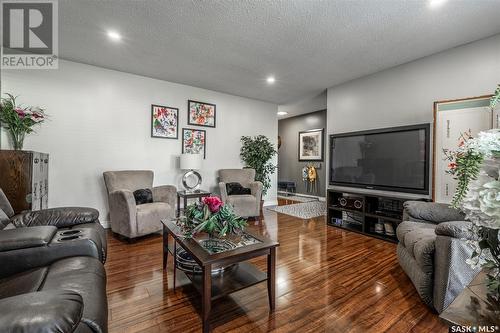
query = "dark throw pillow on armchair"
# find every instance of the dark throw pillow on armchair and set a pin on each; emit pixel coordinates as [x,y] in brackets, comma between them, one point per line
[143,196]
[237,189]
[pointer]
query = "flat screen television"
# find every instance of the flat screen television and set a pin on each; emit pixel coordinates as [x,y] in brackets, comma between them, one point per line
[393,159]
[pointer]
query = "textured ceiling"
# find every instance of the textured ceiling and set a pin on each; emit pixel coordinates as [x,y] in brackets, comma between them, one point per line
[231,46]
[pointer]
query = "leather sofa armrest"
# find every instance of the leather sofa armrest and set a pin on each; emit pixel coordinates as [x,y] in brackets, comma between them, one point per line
[456,229]
[44,311]
[431,212]
[59,217]
[21,238]
[165,193]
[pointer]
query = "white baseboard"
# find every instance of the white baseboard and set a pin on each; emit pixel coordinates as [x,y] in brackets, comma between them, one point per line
[304,195]
[271,203]
[105,224]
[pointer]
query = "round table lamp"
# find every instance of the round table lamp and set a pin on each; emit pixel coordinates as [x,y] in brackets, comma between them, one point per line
[191,179]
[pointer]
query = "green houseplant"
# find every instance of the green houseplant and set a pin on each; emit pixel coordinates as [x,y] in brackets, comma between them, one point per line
[256,153]
[18,120]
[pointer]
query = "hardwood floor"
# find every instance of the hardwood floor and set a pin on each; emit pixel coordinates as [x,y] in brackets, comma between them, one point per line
[328,280]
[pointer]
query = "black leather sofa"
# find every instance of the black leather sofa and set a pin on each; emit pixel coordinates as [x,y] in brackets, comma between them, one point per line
[78,228]
[52,277]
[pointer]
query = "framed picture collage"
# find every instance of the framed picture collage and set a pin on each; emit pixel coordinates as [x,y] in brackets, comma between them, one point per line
[165,125]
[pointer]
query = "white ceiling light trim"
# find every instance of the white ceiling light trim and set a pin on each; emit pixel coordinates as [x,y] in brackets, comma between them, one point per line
[436,3]
[114,35]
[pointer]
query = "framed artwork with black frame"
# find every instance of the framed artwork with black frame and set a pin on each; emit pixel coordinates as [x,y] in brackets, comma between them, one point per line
[194,141]
[164,122]
[201,114]
[311,145]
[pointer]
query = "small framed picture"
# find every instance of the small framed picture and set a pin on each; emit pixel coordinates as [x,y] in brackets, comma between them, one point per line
[164,122]
[201,114]
[311,145]
[194,141]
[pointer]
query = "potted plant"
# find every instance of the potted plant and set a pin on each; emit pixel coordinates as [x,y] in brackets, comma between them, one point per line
[476,166]
[18,120]
[212,216]
[256,153]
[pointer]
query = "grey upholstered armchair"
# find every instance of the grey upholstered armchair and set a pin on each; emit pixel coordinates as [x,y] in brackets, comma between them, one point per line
[432,250]
[245,205]
[127,218]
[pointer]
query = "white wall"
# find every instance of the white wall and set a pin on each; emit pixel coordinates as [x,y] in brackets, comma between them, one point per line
[404,95]
[100,120]
[315,102]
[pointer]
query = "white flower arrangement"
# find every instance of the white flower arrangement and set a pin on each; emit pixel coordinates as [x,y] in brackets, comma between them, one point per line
[476,167]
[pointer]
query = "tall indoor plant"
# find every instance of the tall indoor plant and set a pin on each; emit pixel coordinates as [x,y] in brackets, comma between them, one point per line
[18,120]
[476,166]
[256,153]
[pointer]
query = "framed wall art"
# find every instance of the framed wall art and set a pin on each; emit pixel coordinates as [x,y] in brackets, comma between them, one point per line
[201,114]
[164,122]
[311,147]
[194,141]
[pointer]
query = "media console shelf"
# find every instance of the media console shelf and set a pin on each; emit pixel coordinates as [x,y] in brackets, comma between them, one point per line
[372,215]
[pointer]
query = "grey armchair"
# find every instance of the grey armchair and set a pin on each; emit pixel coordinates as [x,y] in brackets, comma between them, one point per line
[246,205]
[127,218]
[432,250]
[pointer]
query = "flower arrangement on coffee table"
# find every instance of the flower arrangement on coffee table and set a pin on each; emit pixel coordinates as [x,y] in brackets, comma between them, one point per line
[212,216]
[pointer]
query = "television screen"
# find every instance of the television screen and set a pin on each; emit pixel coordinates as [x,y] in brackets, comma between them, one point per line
[388,159]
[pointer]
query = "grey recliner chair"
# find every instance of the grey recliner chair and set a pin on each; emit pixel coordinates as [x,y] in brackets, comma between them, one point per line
[131,220]
[244,205]
[432,250]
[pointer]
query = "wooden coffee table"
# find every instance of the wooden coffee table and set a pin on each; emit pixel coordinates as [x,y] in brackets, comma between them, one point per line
[240,276]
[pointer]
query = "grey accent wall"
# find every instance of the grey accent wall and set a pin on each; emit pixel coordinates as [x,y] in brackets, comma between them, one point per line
[289,167]
[404,95]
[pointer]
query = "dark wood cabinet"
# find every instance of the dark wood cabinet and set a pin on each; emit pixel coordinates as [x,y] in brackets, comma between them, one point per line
[24,178]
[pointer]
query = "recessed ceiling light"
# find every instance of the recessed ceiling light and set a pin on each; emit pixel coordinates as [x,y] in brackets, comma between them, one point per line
[114,36]
[436,3]
[271,79]
[282,113]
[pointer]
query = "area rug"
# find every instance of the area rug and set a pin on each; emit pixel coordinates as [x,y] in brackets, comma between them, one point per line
[303,210]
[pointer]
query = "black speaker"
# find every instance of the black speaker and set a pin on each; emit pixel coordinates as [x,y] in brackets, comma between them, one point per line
[351,203]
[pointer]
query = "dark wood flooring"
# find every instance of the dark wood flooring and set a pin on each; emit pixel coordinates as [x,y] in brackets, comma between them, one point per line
[328,280]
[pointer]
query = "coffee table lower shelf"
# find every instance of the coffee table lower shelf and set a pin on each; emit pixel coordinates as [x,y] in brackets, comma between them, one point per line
[240,276]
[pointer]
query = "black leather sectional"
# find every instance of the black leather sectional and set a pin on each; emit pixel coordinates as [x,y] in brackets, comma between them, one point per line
[52,277]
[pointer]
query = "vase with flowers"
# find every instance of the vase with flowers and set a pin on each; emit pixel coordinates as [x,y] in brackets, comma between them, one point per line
[476,166]
[19,120]
[213,217]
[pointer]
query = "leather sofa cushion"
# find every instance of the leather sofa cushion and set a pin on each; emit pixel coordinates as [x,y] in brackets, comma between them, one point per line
[4,219]
[61,217]
[237,189]
[22,283]
[51,311]
[85,276]
[5,204]
[143,196]
[21,238]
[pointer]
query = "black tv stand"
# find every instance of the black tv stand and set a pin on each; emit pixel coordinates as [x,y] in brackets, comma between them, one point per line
[376,209]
